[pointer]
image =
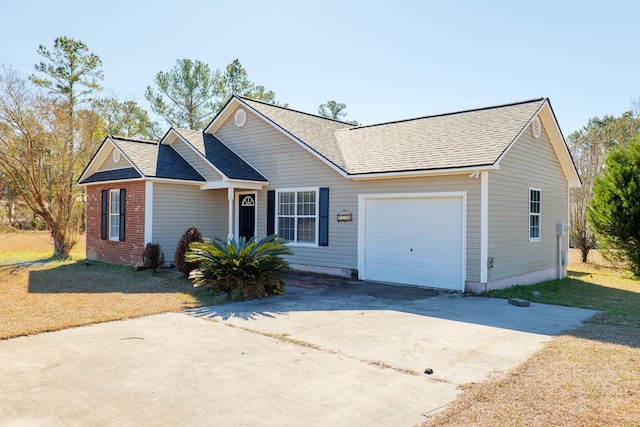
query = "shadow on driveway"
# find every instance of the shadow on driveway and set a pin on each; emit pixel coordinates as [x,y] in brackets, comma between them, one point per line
[365,296]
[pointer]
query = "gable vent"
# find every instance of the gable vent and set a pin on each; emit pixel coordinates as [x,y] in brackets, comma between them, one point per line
[536,127]
[240,118]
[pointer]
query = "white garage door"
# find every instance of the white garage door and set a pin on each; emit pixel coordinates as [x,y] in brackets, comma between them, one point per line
[417,241]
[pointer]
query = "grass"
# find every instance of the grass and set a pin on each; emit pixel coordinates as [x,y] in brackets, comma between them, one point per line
[61,294]
[587,377]
[29,246]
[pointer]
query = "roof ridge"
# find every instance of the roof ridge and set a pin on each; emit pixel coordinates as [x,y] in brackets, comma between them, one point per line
[452,113]
[293,110]
[187,130]
[144,141]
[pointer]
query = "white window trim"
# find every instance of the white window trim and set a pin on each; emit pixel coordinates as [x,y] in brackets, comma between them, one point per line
[317,214]
[112,214]
[539,215]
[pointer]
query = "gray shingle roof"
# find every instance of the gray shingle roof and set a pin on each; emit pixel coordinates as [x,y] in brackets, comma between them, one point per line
[112,175]
[171,165]
[143,154]
[152,159]
[456,140]
[221,156]
[318,133]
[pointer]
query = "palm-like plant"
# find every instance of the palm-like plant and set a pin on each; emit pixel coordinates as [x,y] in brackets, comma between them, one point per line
[239,268]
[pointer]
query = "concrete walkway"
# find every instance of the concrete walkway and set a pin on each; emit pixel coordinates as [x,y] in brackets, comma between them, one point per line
[348,355]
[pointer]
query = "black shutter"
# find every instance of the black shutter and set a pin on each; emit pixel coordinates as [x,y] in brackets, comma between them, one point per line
[271,212]
[103,215]
[323,238]
[123,209]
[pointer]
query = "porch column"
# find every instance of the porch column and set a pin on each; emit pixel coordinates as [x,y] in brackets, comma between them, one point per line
[230,195]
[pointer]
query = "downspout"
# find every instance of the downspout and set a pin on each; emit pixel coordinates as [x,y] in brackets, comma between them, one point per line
[148,212]
[559,233]
[484,229]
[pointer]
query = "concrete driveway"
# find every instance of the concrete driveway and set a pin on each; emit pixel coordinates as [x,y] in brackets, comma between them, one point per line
[353,354]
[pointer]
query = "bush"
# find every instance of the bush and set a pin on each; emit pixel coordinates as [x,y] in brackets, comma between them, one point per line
[242,270]
[614,212]
[191,235]
[153,256]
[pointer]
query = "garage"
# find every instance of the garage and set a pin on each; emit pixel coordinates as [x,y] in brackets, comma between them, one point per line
[413,239]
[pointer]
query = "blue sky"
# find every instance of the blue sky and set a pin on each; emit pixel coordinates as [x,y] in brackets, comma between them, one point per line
[387,60]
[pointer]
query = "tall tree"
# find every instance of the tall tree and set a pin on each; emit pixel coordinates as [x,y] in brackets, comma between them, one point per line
[334,110]
[614,212]
[42,149]
[185,95]
[589,148]
[125,118]
[235,81]
[34,157]
[72,71]
[191,94]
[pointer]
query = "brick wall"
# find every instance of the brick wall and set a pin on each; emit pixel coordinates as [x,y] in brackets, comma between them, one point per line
[130,251]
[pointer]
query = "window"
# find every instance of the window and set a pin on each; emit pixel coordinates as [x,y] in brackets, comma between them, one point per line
[114,214]
[534,214]
[296,215]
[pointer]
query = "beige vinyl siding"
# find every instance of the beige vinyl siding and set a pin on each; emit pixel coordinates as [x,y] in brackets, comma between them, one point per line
[178,207]
[196,161]
[109,164]
[287,165]
[530,163]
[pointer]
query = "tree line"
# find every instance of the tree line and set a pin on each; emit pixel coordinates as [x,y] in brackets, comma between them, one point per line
[596,213]
[52,122]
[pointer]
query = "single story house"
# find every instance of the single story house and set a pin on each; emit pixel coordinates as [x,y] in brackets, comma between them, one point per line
[470,200]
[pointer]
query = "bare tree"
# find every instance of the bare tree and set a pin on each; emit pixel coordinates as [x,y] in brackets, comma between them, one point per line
[35,157]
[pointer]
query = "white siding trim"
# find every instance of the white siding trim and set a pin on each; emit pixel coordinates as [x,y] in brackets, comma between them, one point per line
[421,173]
[484,226]
[362,212]
[111,181]
[148,212]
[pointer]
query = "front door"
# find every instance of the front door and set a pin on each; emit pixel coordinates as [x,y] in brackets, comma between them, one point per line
[247,216]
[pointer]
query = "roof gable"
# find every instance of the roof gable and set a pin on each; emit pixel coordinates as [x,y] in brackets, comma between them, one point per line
[221,157]
[314,133]
[444,143]
[143,159]
[467,139]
